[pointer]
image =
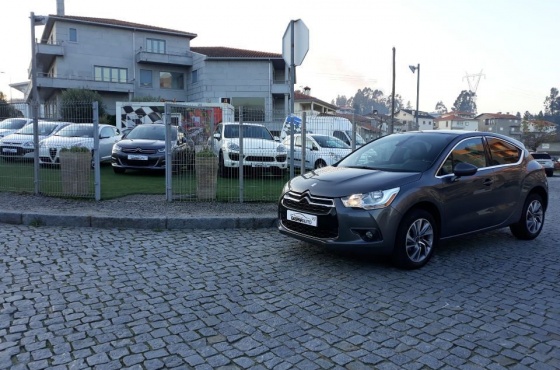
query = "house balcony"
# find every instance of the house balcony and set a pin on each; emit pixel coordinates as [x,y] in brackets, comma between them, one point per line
[47,85]
[280,87]
[46,53]
[144,57]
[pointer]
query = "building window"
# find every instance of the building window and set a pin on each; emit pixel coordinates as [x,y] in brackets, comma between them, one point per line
[155,46]
[171,80]
[253,109]
[194,76]
[111,74]
[146,78]
[73,35]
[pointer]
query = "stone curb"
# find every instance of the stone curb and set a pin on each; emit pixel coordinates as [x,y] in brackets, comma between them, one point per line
[156,223]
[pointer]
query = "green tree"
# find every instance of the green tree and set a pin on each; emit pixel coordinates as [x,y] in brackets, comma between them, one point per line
[441,108]
[552,103]
[465,102]
[76,105]
[536,132]
[341,101]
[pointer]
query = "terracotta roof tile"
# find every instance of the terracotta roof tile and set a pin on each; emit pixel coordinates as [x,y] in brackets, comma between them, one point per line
[116,23]
[224,52]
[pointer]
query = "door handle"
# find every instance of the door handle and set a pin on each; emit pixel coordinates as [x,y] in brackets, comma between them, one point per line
[488,182]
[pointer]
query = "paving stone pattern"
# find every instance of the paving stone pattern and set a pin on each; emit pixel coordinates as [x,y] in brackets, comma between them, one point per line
[77,298]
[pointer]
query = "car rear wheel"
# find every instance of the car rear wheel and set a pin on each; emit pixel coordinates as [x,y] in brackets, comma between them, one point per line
[532,219]
[416,240]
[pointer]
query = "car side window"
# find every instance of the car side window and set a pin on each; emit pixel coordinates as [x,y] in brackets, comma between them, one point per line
[467,151]
[106,132]
[297,142]
[502,152]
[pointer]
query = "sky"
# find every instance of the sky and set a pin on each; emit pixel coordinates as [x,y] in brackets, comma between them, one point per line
[507,47]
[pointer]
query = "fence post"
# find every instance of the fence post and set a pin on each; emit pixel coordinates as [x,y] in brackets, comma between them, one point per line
[34,115]
[168,154]
[96,159]
[240,154]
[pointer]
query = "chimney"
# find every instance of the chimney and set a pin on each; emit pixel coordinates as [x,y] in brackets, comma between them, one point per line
[59,7]
[307,90]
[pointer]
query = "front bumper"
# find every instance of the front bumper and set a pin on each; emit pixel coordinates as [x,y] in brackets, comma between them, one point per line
[339,226]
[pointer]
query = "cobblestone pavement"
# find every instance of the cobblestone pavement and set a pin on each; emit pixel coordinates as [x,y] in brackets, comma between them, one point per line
[73,298]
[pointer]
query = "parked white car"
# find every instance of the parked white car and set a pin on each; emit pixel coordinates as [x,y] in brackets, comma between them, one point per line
[260,149]
[11,125]
[78,134]
[321,150]
[19,145]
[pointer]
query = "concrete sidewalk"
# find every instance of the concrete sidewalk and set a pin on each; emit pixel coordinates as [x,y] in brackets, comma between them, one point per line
[137,211]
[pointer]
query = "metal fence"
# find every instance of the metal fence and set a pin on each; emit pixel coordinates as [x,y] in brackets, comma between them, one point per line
[203,156]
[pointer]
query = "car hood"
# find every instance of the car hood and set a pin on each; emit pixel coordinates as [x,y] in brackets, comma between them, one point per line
[6,131]
[342,181]
[19,139]
[141,143]
[65,142]
[250,143]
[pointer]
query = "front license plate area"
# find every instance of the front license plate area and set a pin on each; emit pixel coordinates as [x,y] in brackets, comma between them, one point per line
[302,218]
[136,157]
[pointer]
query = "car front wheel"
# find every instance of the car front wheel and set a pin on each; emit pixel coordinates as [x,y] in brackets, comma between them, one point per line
[416,240]
[531,222]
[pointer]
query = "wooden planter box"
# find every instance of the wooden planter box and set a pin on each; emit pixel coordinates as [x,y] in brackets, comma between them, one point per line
[206,169]
[75,171]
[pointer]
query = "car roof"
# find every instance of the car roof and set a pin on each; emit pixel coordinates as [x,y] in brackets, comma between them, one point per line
[464,133]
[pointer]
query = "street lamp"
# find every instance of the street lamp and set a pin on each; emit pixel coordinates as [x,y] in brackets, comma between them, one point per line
[413,69]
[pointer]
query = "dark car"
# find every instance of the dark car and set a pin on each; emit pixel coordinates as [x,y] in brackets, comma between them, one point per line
[143,148]
[401,194]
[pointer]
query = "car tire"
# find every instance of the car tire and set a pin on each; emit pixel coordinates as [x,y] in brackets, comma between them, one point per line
[531,222]
[550,173]
[222,169]
[118,170]
[416,240]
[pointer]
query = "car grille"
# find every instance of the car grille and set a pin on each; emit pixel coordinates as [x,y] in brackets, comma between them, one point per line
[139,151]
[323,208]
[259,158]
[305,202]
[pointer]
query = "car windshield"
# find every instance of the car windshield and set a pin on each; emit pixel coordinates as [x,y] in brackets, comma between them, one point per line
[13,124]
[76,131]
[359,139]
[44,129]
[329,142]
[249,131]
[149,131]
[399,152]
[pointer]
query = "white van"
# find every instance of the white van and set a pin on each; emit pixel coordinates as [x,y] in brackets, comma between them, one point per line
[339,127]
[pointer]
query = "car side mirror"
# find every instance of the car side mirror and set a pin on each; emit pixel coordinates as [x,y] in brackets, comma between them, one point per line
[217,136]
[464,169]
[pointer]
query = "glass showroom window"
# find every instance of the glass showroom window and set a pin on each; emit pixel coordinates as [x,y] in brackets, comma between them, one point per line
[110,74]
[171,80]
[155,46]
[146,78]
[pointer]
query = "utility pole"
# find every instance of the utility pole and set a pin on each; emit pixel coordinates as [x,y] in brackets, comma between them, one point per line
[391,127]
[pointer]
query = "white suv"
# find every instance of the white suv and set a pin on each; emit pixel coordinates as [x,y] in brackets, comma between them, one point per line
[259,149]
[546,161]
[322,150]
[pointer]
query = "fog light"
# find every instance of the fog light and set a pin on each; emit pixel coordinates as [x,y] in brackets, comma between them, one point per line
[369,235]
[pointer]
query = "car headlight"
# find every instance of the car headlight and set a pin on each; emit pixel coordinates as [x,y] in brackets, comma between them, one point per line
[116,148]
[233,147]
[372,200]
[27,144]
[281,149]
[161,150]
